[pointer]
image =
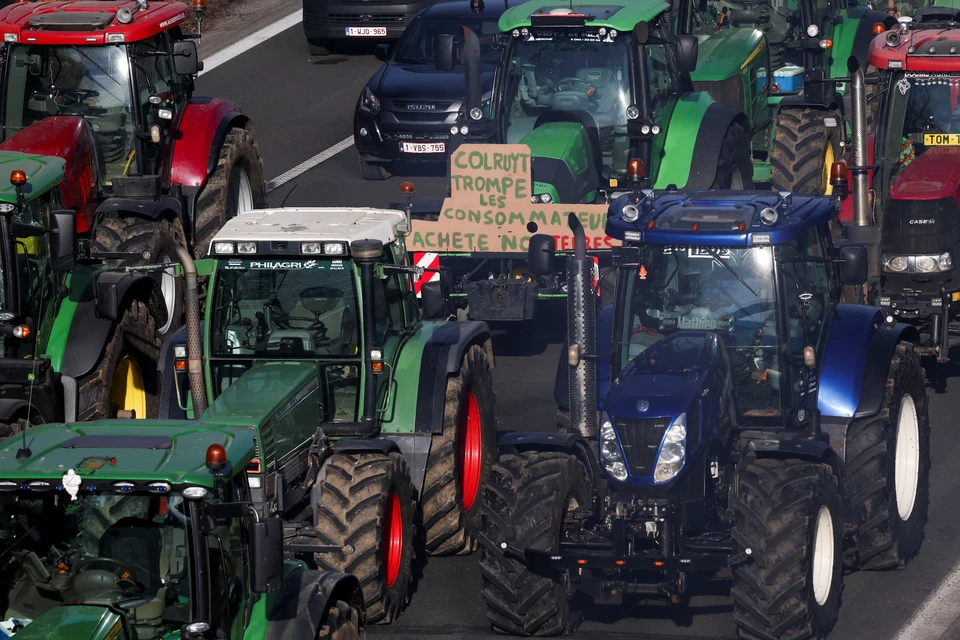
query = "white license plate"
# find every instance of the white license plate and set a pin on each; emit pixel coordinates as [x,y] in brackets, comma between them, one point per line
[423,147]
[376,32]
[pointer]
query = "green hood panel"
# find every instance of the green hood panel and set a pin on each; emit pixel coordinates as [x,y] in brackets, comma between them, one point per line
[566,141]
[622,15]
[723,55]
[260,393]
[43,174]
[180,460]
[73,623]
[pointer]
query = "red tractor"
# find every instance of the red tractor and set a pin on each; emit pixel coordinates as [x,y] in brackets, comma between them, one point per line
[108,86]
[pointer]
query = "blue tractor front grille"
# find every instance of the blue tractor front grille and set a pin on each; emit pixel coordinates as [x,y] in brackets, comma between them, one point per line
[640,439]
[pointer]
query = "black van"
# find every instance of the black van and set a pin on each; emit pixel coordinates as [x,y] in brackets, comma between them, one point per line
[408,107]
[328,22]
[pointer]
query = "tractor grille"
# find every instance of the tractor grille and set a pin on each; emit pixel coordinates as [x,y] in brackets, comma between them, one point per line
[640,439]
[729,91]
[365,19]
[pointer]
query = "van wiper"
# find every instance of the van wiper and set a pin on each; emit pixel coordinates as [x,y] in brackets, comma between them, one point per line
[716,256]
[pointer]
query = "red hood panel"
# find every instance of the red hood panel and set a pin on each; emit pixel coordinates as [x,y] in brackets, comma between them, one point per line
[932,175]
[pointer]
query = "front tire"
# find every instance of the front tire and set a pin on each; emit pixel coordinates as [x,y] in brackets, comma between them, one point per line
[460,459]
[525,502]
[366,509]
[735,167]
[787,522]
[804,148]
[126,377]
[887,476]
[373,171]
[322,47]
[236,185]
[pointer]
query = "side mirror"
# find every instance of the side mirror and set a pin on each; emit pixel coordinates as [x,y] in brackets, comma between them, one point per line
[434,296]
[688,47]
[63,240]
[266,555]
[641,32]
[853,265]
[541,254]
[382,52]
[444,52]
[186,62]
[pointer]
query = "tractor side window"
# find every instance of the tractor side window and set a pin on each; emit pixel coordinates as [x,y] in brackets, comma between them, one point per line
[807,288]
[153,69]
[662,81]
[389,303]
[33,254]
[227,547]
[411,308]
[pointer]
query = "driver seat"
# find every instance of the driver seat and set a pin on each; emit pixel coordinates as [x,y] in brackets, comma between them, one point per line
[138,543]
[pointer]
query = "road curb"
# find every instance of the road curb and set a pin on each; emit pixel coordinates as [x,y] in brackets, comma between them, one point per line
[250,17]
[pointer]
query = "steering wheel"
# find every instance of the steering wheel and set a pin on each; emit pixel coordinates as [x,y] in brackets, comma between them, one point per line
[572,81]
[96,569]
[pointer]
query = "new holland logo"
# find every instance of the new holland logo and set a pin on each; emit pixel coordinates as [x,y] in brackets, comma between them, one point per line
[421,107]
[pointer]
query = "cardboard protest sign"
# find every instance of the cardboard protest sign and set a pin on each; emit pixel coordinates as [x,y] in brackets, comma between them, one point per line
[489,208]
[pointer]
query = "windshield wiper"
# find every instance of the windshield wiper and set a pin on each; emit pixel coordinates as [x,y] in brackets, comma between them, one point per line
[716,256]
[411,60]
[94,63]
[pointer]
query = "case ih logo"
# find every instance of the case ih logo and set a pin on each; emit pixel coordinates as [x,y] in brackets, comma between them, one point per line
[421,107]
[924,221]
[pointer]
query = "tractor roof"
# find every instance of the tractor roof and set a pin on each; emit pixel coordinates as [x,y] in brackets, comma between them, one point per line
[87,22]
[622,16]
[312,224]
[172,451]
[933,50]
[43,174]
[718,218]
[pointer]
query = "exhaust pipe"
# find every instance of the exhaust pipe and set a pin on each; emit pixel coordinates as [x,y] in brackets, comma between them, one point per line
[858,126]
[471,72]
[581,335]
[365,254]
[191,308]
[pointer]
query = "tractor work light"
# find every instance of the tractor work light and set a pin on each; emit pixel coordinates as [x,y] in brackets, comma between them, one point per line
[18,177]
[918,264]
[158,487]
[8,485]
[673,450]
[476,113]
[113,38]
[22,332]
[610,451]
[224,248]
[180,358]
[246,247]
[323,248]
[216,457]
[124,486]
[813,31]
[9,37]
[376,360]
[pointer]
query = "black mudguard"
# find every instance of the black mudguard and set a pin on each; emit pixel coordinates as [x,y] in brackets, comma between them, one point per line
[89,333]
[441,357]
[229,121]
[349,445]
[706,150]
[572,443]
[152,209]
[303,603]
[865,34]
[884,344]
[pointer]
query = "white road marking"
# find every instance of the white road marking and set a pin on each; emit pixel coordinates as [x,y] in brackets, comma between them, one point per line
[245,44]
[937,613]
[306,165]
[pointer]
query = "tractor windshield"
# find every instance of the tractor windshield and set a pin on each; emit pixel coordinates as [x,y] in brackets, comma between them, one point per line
[92,82]
[728,290]
[126,551]
[588,81]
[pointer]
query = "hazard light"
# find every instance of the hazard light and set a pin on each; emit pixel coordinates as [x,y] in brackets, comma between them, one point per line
[216,457]
[407,189]
[198,5]
[635,169]
[838,174]
[878,28]
[18,177]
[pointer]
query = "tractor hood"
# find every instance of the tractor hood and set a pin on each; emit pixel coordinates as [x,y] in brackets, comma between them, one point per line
[665,379]
[79,622]
[933,174]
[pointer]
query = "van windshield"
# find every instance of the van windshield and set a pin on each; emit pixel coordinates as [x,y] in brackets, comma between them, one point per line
[417,43]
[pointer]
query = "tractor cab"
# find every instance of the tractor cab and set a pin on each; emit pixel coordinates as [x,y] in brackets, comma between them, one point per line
[126,69]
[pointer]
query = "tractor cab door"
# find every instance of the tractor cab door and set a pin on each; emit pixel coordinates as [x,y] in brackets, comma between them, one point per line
[807,299]
[160,94]
[37,279]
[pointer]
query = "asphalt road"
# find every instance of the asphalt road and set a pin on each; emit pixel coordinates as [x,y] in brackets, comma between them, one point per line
[302,107]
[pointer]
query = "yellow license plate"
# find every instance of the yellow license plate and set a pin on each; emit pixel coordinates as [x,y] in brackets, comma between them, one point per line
[941,140]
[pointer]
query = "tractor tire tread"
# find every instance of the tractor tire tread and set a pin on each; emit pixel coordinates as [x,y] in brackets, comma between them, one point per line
[798,150]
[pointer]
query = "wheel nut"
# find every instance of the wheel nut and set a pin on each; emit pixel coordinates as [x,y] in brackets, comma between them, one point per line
[348,548]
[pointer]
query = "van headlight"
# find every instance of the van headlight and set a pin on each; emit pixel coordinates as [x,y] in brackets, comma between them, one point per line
[610,452]
[370,102]
[673,450]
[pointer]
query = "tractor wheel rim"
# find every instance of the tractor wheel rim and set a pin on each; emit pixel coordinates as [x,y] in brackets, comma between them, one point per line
[240,197]
[168,288]
[906,472]
[470,452]
[127,390]
[823,556]
[393,542]
[828,158]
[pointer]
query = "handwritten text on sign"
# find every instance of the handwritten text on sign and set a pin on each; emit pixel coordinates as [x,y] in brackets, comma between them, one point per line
[489,208]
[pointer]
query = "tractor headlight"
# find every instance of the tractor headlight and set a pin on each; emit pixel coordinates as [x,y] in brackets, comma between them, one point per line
[610,451]
[370,103]
[918,264]
[673,450]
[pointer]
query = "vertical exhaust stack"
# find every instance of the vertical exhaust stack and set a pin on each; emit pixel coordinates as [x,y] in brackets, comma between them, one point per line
[473,105]
[858,125]
[366,253]
[582,335]
[191,309]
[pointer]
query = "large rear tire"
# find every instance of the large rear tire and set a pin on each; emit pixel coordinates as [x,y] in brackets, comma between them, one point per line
[150,239]
[126,377]
[803,150]
[525,503]
[888,469]
[735,167]
[460,459]
[787,522]
[366,508]
[236,185]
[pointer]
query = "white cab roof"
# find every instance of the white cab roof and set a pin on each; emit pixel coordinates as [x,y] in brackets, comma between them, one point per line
[310,224]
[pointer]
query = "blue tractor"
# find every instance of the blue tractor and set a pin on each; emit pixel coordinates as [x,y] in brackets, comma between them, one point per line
[727,410]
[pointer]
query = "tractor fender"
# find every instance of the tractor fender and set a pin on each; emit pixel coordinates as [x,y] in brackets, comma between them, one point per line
[571,443]
[863,35]
[11,407]
[152,209]
[203,126]
[351,445]
[695,166]
[799,101]
[300,607]
[813,449]
[441,357]
[89,333]
[856,361]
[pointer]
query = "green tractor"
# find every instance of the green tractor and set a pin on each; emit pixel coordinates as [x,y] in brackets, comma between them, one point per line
[78,340]
[372,419]
[148,533]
